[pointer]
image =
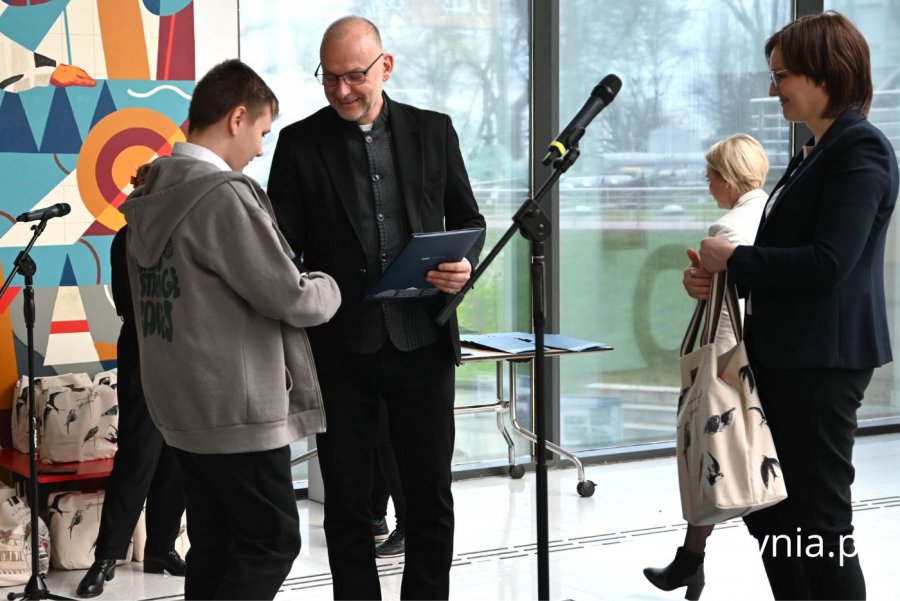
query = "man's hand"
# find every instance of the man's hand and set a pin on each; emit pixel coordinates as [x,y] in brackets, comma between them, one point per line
[450,277]
[696,280]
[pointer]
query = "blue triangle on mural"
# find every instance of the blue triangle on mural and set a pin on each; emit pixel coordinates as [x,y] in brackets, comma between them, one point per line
[68,274]
[61,134]
[105,105]
[15,131]
[37,104]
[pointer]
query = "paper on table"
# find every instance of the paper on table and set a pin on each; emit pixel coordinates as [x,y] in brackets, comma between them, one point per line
[523,342]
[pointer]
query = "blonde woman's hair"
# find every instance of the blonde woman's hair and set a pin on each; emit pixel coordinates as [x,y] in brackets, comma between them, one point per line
[740,160]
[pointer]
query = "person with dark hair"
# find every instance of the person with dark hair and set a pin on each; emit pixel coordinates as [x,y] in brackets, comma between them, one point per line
[222,308]
[816,322]
[144,467]
[350,183]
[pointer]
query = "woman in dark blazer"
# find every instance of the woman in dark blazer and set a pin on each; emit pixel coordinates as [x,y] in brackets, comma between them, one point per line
[816,323]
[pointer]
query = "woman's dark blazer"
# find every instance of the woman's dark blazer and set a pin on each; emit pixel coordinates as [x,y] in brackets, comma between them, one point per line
[312,189]
[815,273]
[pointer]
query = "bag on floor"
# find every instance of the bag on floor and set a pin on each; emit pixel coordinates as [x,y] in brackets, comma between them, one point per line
[74,519]
[727,464]
[15,540]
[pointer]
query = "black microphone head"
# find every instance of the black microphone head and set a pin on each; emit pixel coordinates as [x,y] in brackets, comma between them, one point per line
[607,89]
[57,210]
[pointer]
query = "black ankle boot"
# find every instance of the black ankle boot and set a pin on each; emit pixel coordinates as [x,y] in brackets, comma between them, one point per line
[685,570]
[102,570]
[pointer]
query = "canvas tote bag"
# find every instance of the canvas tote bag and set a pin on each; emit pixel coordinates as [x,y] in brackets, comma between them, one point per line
[74,518]
[71,386]
[727,464]
[78,418]
[15,540]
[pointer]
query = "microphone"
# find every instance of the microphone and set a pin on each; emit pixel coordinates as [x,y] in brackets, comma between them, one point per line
[57,210]
[601,96]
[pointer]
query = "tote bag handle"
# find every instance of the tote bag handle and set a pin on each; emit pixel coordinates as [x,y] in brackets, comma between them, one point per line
[721,292]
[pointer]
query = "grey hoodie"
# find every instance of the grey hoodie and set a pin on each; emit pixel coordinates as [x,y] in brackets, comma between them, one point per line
[220,309]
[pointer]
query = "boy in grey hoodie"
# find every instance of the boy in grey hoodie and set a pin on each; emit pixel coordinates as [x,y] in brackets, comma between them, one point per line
[226,367]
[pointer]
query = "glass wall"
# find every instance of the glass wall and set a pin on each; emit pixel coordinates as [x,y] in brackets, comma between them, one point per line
[692,73]
[467,58]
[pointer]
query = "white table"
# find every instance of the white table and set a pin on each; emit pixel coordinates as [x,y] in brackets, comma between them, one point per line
[506,404]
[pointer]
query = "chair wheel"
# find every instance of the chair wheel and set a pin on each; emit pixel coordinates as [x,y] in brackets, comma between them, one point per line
[586,488]
[516,471]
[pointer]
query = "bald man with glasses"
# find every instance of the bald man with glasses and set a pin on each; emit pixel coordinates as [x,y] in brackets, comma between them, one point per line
[350,183]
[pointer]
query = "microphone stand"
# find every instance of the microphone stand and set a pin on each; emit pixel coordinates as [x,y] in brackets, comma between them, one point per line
[36,588]
[536,227]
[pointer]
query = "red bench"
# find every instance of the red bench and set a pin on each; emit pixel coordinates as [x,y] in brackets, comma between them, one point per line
[18,463]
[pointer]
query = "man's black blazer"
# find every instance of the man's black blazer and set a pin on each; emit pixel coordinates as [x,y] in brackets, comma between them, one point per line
[312,189]
[816,270]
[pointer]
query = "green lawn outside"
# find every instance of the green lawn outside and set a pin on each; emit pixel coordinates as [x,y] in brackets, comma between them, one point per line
[624,288]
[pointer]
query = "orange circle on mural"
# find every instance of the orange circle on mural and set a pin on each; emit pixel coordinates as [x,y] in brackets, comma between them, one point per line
[114,148]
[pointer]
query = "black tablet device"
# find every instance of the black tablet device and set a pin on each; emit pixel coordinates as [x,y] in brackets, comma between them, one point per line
[405,277]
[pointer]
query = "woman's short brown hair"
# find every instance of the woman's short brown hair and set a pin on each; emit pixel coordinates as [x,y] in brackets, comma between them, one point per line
[828,49]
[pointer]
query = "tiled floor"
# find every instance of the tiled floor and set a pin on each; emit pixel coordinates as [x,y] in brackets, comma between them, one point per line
[598,545]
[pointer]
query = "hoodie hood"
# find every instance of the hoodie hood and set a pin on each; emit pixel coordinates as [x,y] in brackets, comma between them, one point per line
[173,186]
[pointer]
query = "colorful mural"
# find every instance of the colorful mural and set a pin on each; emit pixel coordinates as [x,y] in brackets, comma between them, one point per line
[89,90]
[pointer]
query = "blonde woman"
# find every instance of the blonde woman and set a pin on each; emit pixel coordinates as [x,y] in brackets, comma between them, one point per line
[736,169]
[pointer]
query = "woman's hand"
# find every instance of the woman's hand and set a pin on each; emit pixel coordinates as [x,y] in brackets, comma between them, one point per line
[696,280]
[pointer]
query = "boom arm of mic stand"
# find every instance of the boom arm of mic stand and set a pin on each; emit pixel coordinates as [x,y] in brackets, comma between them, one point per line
[560,166]
[457,298]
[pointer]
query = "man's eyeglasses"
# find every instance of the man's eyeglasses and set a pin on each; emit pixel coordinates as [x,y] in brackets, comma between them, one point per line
[351,78]
[776,75]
